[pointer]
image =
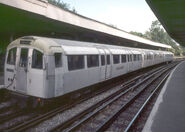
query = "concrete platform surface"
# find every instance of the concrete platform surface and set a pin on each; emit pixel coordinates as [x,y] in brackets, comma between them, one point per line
[168,113]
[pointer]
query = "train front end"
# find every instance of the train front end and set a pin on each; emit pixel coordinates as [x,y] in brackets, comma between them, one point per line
[25,71]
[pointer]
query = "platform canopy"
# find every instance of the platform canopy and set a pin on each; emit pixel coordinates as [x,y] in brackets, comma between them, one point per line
[38,17]
[171,14]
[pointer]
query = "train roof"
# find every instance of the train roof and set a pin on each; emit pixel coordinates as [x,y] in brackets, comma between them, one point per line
[51,45]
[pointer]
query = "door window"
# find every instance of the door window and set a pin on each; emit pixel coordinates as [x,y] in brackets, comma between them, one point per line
[102,60]
[23,58]
[135,57]
[108,59]
[12,56]
[123,58]
[130,57]
[37,59]
[58,60]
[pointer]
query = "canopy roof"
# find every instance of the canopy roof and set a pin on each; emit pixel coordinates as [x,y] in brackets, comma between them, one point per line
[171,14]
[38,17]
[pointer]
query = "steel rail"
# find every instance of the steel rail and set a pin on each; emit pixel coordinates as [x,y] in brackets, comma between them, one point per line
[111,119]
[11,116]
[145,103]
[79,115]
[28,124]
[108,103]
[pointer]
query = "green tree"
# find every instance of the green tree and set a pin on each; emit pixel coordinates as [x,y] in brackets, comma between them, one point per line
[138,34]
[112,25]
[62,5]
[183,51]
[157,34]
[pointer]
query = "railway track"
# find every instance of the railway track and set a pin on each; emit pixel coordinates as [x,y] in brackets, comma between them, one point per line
[89,119]
[36,119]
[154,93]
[126,116]
[11,115]
[8,111]
[4,106]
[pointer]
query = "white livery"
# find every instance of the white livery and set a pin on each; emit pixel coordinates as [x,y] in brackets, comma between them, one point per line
[47,68]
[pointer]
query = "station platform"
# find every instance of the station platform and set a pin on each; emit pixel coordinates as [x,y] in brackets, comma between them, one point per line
[168,113]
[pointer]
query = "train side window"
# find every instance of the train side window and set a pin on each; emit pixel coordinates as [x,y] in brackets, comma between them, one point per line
[123,58]
[75,62]
[37,59]
[12,56]
[116,59]
[102,60]
[92,60]
[58,60]
[108,59]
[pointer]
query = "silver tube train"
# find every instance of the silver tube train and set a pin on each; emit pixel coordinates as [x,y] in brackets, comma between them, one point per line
[46,68]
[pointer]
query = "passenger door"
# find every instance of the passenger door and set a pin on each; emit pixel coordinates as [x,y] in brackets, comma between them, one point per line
[10,67]
[108,68]
[22,70]
[130,62]
[59,72]
[36,74]
[105,70]
[102,64]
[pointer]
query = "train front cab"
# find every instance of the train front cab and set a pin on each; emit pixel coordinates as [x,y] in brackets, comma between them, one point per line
[24,71]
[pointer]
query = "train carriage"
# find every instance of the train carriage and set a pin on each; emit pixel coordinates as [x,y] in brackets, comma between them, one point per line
[47,68]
